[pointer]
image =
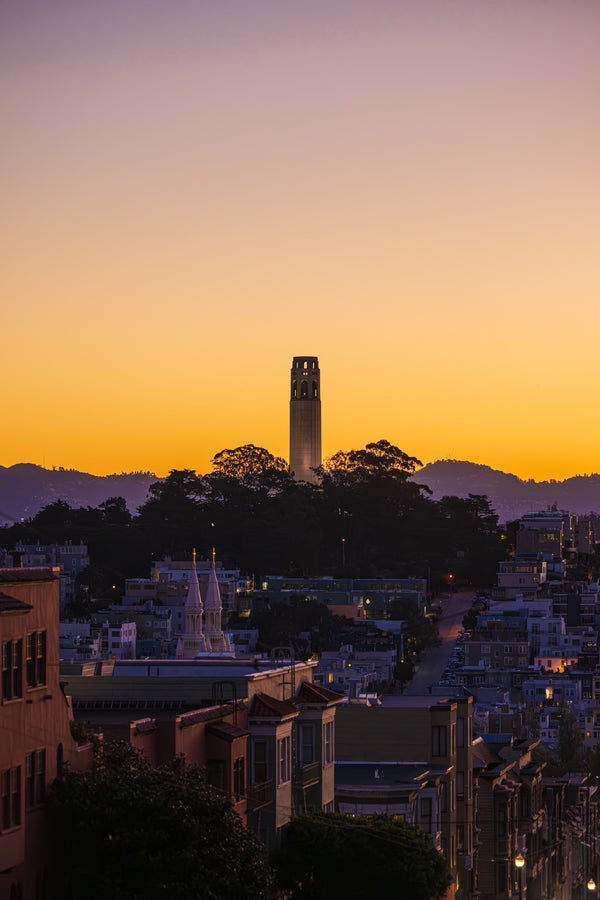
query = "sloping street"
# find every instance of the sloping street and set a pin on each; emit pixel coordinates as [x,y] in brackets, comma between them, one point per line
[454,606]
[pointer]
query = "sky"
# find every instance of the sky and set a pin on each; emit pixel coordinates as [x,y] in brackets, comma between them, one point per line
[194,192]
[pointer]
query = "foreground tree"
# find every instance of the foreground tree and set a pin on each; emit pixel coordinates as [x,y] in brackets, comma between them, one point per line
[127,831]
[332,855]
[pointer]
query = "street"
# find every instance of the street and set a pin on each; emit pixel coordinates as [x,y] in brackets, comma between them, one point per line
[433,663]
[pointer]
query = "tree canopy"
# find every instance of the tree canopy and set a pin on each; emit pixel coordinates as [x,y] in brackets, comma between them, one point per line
[128,831]
[366,518]
[253,467]
[376,459]
[333,855]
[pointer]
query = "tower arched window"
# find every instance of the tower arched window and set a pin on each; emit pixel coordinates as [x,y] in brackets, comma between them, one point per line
[294,388]
[315,389]
[304,390]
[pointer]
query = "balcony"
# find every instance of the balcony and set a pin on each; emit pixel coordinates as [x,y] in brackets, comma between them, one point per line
[261,795]
[308,775]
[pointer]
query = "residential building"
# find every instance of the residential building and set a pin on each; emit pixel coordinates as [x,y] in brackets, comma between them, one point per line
[497,648]
[35,735]
[511,817]
[169,584]
[409,790]
[338,669]
[70,558]
[520,577]
[438,734]
[273,700]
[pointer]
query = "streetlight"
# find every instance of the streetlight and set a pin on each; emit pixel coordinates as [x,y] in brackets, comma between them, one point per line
[520,866]
[591,885]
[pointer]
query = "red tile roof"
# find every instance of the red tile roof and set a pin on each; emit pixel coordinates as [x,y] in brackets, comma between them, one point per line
[316,693]
[227,730]
[263,705]
[35,573]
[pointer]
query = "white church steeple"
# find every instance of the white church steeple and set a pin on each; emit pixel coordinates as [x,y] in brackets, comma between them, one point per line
[192,641]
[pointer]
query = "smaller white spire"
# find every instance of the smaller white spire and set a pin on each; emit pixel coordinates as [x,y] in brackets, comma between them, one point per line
[219,642]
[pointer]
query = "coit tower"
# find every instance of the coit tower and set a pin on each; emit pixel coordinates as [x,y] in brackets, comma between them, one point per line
[305,418]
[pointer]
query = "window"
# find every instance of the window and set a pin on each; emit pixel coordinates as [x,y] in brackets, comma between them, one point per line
[426,814]
[460,732]
[12,669]
[500,819]
[443,797]
[10,798]
[460,785]
[438,740]
[283,760]
[239,777]
[307,744]
[35,778]
[261,762]
[328,754]
[36,659]
[216,775]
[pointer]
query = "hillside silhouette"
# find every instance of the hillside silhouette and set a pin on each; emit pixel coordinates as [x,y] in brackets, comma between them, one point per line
[26,488]
[510,497]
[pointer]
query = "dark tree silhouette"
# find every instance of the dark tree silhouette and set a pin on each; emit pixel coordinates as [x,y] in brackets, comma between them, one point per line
[127,831]
[332,855]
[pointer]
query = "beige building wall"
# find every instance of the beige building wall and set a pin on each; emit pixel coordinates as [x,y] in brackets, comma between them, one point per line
[415,729]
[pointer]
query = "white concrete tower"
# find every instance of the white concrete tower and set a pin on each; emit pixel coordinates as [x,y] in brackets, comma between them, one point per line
[219,642]
[193,640]
[305,418]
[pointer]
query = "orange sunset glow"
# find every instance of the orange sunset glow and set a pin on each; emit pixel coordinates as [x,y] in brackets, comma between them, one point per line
[194,192]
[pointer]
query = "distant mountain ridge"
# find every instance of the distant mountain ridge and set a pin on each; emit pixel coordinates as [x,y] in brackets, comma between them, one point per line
[510,496]
[25,488]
